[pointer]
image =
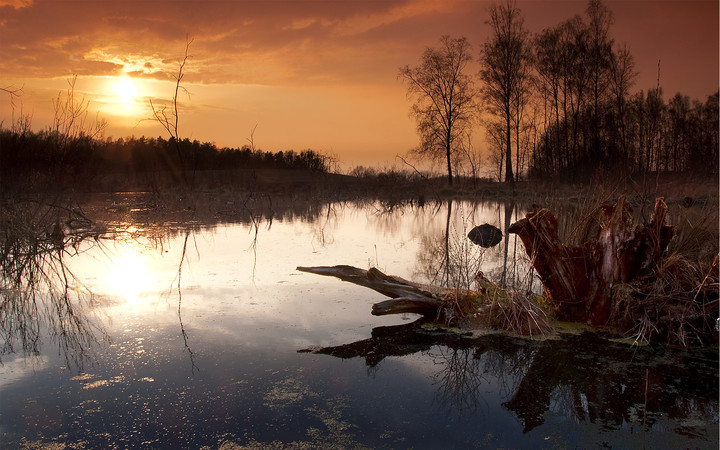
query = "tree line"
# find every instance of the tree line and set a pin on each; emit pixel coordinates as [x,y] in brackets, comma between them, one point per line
[72,152]
[555,104]
[53,157]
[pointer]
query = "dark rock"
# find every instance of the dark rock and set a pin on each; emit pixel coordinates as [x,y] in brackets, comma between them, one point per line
[485,235]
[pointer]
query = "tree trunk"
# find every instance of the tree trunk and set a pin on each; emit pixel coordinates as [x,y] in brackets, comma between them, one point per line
[449,166]
[448,148]
[406,296]
[579,279]
[508,149]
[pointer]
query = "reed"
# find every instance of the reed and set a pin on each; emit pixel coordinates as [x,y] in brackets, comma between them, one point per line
[491,306]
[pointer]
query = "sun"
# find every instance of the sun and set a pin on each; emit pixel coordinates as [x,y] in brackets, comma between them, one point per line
[125,90]
[123,96]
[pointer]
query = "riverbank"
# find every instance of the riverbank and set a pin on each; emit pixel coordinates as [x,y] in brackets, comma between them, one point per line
[389,185]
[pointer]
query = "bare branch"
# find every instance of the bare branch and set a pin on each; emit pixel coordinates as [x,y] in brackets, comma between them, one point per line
[170,121]
[444,105]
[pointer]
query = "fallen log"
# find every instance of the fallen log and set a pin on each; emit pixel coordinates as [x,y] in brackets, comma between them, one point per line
[406,296]
[579,279]
[488,306]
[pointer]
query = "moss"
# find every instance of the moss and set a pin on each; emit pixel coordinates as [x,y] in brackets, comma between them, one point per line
[574,328]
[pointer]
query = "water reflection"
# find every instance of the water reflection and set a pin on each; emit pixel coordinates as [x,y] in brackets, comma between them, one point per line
[54,263]
[584,377]
[129,277]
[449,258]
[195,327]
[40,296]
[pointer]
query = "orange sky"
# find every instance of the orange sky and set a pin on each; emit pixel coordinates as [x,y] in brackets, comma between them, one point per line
[310,74]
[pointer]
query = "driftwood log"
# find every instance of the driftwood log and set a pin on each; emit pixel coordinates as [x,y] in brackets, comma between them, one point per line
[579,279]
[406,296]
[488,306]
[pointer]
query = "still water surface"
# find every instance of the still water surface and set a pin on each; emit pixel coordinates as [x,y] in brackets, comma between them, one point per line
[208,336]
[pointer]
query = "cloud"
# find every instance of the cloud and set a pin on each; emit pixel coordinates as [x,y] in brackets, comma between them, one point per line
[402,11]
[16,4]
[235,42]
[273,42]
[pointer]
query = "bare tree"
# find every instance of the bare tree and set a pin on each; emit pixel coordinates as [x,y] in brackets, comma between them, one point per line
[169,120]
[505,59]
[622,78]
[496,136]
[600,50]
[444,103]
[70,118]
[13,92]
[20,125]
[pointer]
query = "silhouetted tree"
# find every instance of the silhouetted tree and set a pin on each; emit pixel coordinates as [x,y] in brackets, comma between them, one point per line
[704,136]
[12,92]
[622,78]
[444,105]
[495,135]
[675,129]
[600,18]
[584,83]
[588,120]
[547,66]
[505,62]
[170,120]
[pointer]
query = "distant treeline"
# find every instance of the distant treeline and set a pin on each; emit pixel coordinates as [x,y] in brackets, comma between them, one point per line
[641,135]
[56,158]
[563,105]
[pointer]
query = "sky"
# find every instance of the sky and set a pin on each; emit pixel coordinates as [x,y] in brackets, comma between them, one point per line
[316,74]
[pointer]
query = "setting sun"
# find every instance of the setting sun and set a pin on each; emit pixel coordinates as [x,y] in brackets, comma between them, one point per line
[124,96]
[126,90]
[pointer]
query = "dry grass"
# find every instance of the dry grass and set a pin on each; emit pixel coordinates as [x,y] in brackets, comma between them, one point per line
[677,303]
[494,307]
[518,313]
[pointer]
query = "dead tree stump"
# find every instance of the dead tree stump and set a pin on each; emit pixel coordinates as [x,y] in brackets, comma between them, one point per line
[579,279]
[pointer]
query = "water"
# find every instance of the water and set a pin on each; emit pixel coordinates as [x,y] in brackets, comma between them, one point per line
[183,337]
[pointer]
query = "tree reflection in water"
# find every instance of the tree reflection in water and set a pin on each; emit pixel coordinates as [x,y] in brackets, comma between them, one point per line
[39,295]
[42,299]
[584,377]
[447,256]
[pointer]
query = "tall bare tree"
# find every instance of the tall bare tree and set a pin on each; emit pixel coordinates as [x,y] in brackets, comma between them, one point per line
[600,49]
[622,78]
[444,105]
[169,119]
[505,58]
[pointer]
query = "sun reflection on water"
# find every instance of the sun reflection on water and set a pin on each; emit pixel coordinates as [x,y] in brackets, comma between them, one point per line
[130,277]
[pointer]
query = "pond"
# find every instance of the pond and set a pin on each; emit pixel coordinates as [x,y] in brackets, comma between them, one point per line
[204,334]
